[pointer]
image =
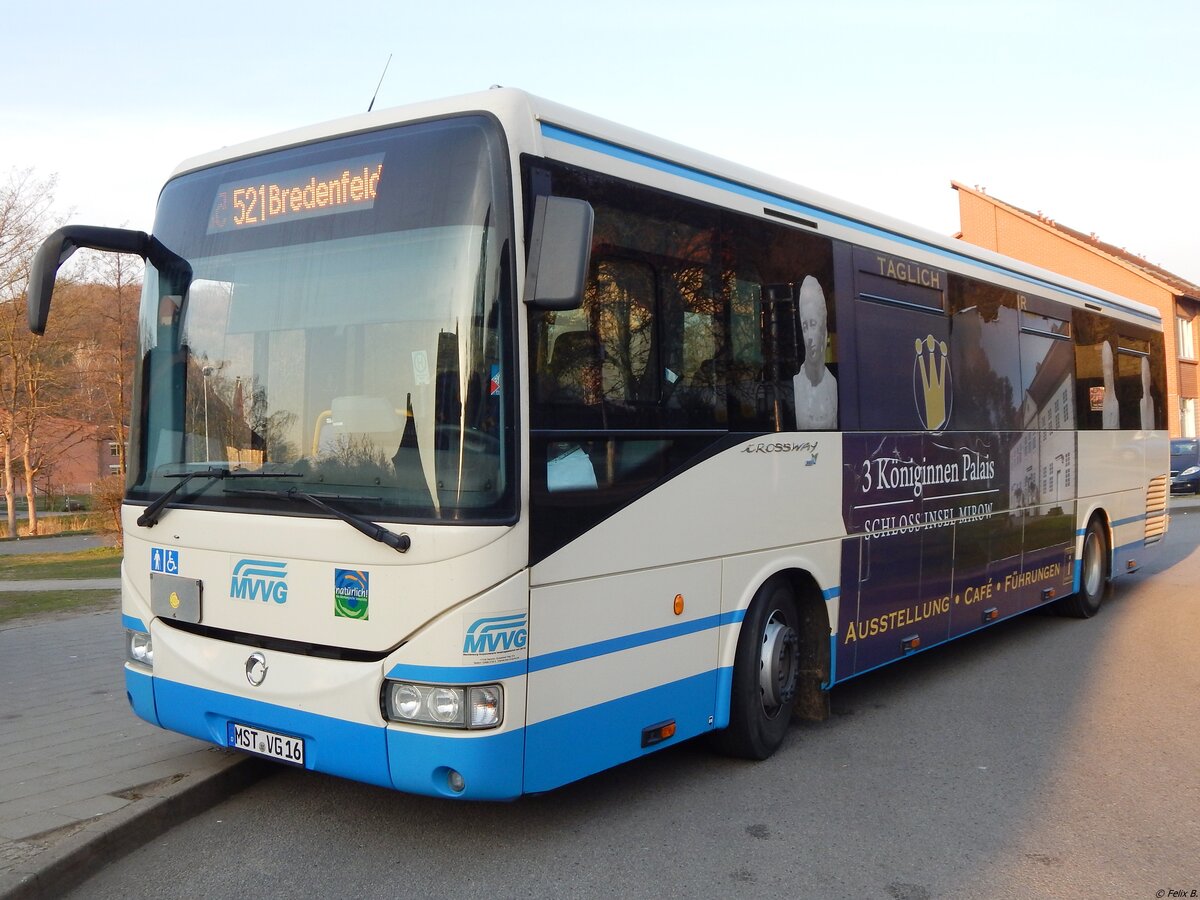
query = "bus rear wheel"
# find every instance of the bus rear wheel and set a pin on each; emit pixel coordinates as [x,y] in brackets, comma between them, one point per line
[1093,574]
[766,674]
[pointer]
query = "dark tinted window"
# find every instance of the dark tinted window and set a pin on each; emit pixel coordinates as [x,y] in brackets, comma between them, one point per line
[985,355]
[905,376]
[695,323]
[1095,380]
[1047,373]
[692,318]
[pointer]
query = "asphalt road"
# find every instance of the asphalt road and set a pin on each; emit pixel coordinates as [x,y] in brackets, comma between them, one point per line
[1047,757]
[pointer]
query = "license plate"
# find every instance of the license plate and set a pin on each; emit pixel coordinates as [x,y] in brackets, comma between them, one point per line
[282,747]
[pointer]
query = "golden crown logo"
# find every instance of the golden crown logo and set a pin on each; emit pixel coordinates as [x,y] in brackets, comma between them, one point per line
[932,364]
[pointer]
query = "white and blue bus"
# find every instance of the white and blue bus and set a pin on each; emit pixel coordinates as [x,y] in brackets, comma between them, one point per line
[481,445]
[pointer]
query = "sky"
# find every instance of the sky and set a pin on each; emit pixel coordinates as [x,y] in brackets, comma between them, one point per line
[1084,110]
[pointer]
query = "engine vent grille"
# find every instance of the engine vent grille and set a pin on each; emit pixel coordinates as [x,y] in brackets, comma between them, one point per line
[1156,509]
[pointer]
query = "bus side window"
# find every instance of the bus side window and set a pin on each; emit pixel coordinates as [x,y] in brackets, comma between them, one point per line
[574,368]
[692,329]
[984,356]
[769,272]
[1095,375]
[620,299]
[1135,399]
[1047,373]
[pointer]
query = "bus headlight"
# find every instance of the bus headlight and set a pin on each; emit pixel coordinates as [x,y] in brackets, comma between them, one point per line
[139,648]
[406,701]
[445,706]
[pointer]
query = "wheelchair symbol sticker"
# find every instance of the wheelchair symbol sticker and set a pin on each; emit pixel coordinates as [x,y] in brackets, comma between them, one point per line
[420,367]
[163,560]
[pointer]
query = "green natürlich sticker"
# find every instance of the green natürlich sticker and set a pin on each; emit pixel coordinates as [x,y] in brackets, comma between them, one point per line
[351,594]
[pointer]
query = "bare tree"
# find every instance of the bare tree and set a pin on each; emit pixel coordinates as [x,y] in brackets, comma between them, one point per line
[56,390]
[38,390]
[25,218]
[107,352]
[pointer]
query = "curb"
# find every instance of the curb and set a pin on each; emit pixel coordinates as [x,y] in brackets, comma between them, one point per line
[106,839]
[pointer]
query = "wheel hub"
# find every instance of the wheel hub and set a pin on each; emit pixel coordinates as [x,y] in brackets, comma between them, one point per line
[777,672]
[1093,565]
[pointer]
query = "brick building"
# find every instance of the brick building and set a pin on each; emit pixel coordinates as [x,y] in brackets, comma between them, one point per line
[1036,239]
[72,456]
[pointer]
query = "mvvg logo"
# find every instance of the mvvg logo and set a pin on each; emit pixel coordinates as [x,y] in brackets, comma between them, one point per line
[497,634]
[259,579]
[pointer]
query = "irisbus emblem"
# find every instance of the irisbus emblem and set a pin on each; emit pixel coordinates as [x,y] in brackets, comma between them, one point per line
[496,634]
[259,579]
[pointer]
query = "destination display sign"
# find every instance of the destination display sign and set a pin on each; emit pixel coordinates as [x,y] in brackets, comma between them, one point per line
[308,192]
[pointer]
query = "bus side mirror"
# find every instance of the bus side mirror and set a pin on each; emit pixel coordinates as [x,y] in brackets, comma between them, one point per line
[560,249]
[57,249]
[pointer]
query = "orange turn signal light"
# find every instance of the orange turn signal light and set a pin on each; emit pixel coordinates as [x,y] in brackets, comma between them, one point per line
[679,604]
[656,734]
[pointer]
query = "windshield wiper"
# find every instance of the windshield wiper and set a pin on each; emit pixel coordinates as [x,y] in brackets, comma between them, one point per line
[398,542]
[149,518]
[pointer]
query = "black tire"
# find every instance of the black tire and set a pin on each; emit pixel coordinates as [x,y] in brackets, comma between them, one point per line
[765,674]
[1093,574]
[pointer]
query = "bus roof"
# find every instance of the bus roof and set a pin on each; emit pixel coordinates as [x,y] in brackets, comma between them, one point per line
[548,122]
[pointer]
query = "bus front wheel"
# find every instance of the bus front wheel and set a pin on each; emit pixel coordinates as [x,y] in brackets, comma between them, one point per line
[1093,574]
[766,673]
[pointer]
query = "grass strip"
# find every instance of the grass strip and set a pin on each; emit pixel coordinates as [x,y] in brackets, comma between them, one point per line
[98,562]
[25,604]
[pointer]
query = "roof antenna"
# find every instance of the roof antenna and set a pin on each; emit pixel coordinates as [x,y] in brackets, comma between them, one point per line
[371,105]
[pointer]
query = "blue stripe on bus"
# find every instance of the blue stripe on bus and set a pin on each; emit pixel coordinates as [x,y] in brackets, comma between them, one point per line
[493,765]
[832,662]
[572,746]
[133,624]
[724,697]
[139,688]
[553,659]
[1141,517]
[476,674]
[349,749]
[458,674]
[1129,521]
[489,763]
[629,641]
[596,145]
[642,638]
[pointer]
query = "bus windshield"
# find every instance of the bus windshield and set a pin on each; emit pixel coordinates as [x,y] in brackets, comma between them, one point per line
[338,316]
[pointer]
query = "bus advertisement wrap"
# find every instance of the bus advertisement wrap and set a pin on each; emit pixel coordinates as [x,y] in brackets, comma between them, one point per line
[949,538]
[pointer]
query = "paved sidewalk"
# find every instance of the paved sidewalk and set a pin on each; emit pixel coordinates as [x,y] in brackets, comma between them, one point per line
[56,544]
[82,779]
